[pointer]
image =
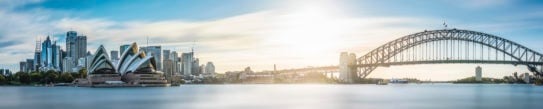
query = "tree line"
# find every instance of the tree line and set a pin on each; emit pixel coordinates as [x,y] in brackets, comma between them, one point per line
[41,77]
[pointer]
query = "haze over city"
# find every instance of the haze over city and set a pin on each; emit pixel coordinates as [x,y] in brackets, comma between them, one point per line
[291,34]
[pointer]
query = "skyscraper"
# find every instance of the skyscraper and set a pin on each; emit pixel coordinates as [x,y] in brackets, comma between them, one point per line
[81,45]
[37,61]
[187,63]
[71,49]
[76,47]
[50,56]
[175,58]
[196,67]
[209,68]
[166,55]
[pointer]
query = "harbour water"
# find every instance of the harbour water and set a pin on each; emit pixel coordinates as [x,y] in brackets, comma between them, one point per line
[305,96]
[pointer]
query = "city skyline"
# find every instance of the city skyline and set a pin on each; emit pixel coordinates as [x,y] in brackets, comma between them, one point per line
[263,33]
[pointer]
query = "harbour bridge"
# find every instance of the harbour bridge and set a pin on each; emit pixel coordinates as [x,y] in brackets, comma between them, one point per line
[443,47]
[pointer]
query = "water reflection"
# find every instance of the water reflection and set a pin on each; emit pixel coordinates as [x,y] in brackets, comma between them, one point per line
[394,96]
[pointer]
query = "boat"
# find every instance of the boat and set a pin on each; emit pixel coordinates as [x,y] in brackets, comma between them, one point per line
[398,81]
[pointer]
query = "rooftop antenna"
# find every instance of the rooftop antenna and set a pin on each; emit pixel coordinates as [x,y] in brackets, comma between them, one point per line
[37,49]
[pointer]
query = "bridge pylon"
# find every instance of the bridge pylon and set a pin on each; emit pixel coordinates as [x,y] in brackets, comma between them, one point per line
[347,67]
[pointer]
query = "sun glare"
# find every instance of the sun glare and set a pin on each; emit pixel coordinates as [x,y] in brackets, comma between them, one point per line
[310,28]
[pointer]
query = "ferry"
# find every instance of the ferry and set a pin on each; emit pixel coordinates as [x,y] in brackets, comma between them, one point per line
[398,81]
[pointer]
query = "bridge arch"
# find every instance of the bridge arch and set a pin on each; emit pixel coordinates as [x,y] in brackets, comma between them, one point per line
[384,54]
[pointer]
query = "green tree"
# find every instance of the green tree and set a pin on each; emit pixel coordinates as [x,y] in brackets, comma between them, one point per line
[51,76]
[66,78]
[75,75]
[23,77]
[83,73]
[3,80]
[36,77]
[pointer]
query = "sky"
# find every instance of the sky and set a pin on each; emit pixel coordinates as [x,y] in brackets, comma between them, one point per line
[234,34]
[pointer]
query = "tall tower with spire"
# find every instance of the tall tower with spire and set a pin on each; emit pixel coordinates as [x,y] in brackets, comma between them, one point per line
[37,55]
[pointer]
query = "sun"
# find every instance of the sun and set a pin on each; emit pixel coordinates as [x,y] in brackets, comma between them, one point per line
[311,28]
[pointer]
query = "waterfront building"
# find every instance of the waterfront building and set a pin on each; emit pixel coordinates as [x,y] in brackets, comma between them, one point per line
[139,67]
[156,52]
[135,68]
[188,61]
[209,68]
[478,73]
[101,69]
[347,73]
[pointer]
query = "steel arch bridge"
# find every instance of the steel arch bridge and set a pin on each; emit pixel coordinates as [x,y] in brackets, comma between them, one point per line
[448,46]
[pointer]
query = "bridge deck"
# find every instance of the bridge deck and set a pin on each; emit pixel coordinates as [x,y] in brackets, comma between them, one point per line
[452,62]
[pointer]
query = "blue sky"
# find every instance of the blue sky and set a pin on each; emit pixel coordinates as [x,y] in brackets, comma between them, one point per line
[259,33]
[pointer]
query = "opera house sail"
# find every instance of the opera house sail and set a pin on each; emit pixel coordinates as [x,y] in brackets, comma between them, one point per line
[135,68]
[101,69]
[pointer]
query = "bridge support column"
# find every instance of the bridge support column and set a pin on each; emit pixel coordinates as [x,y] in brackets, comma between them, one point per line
[347,67]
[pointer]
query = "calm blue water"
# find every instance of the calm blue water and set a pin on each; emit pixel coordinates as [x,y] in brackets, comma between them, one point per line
[413,96]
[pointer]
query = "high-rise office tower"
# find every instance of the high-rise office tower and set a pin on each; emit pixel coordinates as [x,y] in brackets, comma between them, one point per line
[71,49]
[166,55]
[188,61]
[76,46]
[81,44]
[196,67]
[175,60]
[50,56]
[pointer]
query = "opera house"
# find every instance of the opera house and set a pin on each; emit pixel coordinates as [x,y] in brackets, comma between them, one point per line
[135,68]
